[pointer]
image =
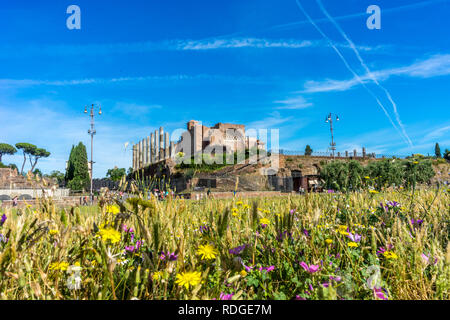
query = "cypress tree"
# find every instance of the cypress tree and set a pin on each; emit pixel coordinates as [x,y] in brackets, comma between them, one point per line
[437,150]
[78,168]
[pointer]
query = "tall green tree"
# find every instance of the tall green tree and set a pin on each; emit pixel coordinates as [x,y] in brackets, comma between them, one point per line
[36,155]
[447,155]
[77,174]
[6,149]
[437,151]
[27,149]
[116,174]
[308,150]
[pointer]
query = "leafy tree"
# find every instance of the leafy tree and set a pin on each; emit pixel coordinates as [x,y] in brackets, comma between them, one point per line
[342,176]
[6,149]
[59,176]
[77,173]
[27,149]
[437,151]
[116,174]
[447,155]
[37,172]
[308,150]
[37,154]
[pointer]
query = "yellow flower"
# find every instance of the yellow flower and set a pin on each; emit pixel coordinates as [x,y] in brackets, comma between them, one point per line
[390,255]
[246,206]
[373,191]
[112,209]
[187,279]
[366,177]
[157,275]
[59,266]
[110,234]
[234,212]
[329,241]
[416,162]
[239,203]
[207,252]
[53,232]
[352,244]
[264,221]
[243,273]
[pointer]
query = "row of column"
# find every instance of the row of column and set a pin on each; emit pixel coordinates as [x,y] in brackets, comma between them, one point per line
[152,149]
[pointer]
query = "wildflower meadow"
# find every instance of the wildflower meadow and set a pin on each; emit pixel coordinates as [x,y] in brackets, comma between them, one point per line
[387,245]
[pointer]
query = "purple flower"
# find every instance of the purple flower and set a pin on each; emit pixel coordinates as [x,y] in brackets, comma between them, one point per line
[3,219]
[330,191]
[169,256]
[292,211]
[247,268]
[305,232]
[126,229]
[297,297]
[325,284]
[224,296]
[354,237]
[3,238]
[204,229]
[380,293]
[426,259]
[283,234]
[238,250]
[311,269]
[268,269]
[416,223]
[337,278]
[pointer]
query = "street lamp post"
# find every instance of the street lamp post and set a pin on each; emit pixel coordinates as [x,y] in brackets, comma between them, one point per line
[92,132]
[329,119]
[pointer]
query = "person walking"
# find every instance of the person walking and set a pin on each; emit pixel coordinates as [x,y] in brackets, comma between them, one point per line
[15,201]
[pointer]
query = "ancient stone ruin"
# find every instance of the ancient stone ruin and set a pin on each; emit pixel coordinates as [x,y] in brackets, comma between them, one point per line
[221,138]
[13,184]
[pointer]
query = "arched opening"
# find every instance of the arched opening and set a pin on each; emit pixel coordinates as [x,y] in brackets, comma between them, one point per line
[297,179]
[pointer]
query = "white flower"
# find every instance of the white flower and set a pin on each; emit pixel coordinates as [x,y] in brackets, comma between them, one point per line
[74,282]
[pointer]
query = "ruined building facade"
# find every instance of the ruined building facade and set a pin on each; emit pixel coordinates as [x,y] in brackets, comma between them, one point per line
[221,138]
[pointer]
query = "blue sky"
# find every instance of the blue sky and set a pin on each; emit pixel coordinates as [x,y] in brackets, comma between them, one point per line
[261,63]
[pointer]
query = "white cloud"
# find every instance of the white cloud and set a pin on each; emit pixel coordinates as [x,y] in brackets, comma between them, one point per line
[437,65]
[293,103]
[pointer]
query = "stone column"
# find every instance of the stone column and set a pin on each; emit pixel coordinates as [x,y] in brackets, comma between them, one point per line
[346,154]
[166,145]
[364,152]
[161,143]
[171,149]
[156,146]
[152,148]
[354,153]
[134,157]
[148,151]
[143,153]
[139,155]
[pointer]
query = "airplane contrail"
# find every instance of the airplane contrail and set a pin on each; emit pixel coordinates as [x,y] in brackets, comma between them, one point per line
[364,65]
[349,68]
[356,15]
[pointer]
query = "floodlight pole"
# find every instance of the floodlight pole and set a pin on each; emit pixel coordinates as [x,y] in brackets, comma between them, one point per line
[329,119]
[92,132]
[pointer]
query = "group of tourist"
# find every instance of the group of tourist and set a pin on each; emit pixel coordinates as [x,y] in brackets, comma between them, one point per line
[161,195]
